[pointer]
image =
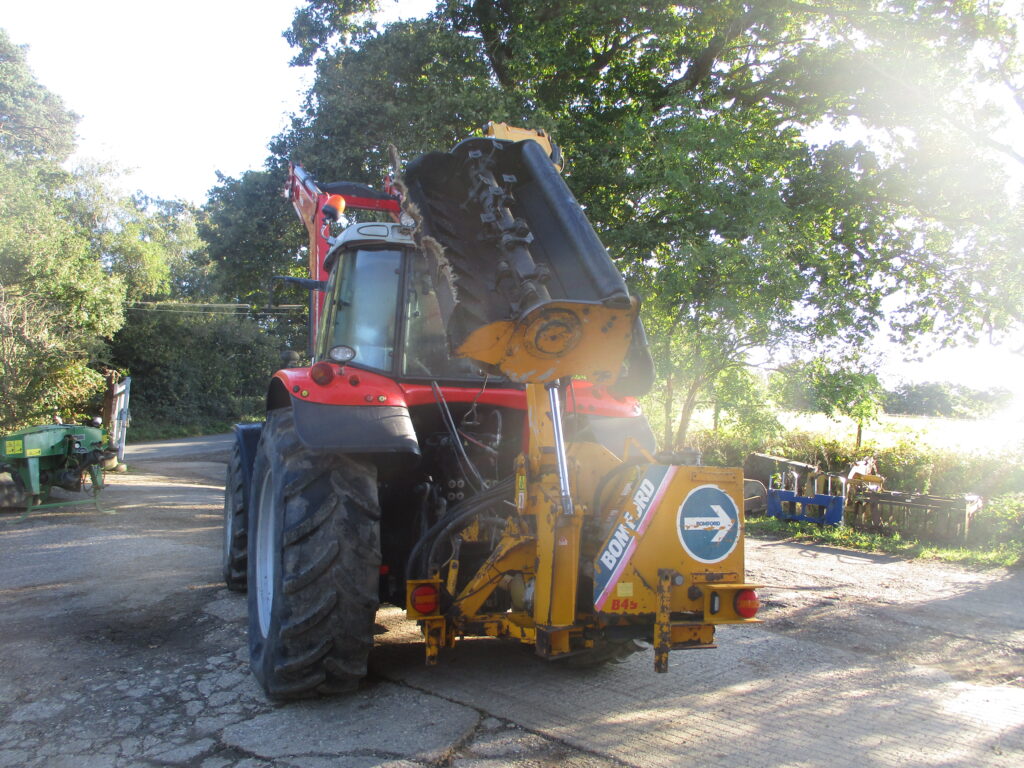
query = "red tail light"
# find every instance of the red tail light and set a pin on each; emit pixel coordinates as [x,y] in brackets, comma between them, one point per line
[424,599]
[746,603]
[322,373]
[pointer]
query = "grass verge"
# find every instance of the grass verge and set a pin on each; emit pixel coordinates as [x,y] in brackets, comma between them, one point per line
[1006,555]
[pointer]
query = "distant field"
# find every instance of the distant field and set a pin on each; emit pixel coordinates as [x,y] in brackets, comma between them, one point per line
[993,435]
[999,434]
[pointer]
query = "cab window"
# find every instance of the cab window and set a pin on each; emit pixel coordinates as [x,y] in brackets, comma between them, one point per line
[426,347]
[363,311]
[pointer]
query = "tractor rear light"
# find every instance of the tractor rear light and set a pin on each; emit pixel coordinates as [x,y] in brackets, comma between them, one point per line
[322,373]
[746,603]
[423,599]
[715,603]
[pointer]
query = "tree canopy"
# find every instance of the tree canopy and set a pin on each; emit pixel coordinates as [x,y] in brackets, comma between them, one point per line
[936,398]
[56,299]
[34,122]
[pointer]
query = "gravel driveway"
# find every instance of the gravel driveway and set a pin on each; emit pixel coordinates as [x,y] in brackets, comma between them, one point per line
[119,647]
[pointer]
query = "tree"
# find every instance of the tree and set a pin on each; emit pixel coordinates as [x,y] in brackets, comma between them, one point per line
[193,371]
[41,373]
[56,300]
[821,386]
[154,246]
[251,233]
[34,124]
[71,253]
[372,90]
[741,402]
[945,399]
[740,231]
[418,85]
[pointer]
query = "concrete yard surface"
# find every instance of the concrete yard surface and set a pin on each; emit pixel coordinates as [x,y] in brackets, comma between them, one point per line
[119,646]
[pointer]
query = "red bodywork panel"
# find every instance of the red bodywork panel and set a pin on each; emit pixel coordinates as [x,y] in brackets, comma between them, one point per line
[308,200]
[353,386]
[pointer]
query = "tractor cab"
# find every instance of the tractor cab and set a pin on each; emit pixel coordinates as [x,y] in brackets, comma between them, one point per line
[380,309]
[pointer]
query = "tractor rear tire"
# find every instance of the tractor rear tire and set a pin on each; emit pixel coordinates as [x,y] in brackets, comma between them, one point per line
[314,565]
[236,525]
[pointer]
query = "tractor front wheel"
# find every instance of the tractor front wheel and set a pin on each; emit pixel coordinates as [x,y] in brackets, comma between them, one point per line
[314,565]
[236,525]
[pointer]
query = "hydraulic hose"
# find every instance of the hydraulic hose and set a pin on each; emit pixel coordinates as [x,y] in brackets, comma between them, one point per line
[457,515]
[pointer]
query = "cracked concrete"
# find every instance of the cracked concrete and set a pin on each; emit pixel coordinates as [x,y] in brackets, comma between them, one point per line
[119,648]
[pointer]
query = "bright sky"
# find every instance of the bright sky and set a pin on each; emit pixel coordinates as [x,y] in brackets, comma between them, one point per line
[175,92]
[171,92]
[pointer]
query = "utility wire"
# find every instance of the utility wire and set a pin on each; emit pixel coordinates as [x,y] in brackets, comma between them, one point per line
[243,313]
[192,304]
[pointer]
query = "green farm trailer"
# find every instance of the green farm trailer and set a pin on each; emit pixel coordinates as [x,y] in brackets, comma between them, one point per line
[35,460]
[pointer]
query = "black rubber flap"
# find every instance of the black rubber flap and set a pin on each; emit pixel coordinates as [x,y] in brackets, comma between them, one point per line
[512,235]
[548,223]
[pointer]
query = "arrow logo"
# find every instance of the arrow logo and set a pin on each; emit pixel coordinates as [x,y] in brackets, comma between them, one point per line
[720,522]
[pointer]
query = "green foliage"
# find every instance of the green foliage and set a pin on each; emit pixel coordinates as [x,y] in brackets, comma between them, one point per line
[1000,520]
[195,370]
[326,22]
[252,233]
[154,246]
[822,386]
[685,126]
[907,466]
[34,124]
[690,131]
[946,399]
[418,85]
[726,449]
[996,536]
[72,252]
[45,256]
[41,371]
[742,404]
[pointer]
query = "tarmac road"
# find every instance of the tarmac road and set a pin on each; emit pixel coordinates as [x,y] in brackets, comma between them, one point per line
[120,647]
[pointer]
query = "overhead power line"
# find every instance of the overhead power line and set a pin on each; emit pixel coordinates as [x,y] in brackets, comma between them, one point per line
[238,313]
[192,304]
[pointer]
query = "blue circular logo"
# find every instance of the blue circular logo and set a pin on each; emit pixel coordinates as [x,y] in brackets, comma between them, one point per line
[708,524]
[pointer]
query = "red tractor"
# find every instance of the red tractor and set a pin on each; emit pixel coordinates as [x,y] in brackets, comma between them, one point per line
[465,443]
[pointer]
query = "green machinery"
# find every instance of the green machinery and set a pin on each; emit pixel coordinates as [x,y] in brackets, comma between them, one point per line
[35,460]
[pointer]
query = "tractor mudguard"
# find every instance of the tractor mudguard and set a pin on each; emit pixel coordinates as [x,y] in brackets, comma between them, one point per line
[355,429]
[247,437]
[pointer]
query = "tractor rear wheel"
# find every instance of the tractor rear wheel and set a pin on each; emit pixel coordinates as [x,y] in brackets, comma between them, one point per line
[235,556]
[314,564]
